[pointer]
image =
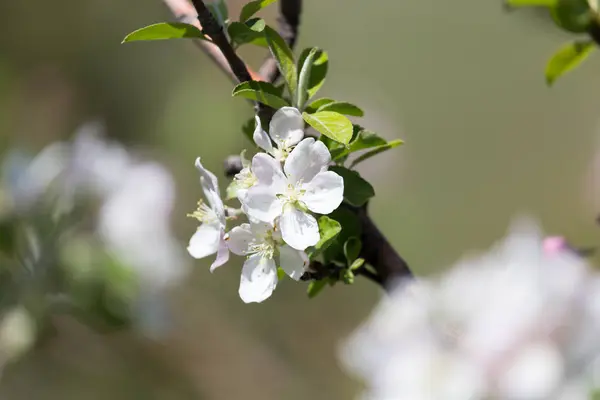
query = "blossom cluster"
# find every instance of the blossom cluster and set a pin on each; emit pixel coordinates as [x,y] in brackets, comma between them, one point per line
[280,191]
[519,323]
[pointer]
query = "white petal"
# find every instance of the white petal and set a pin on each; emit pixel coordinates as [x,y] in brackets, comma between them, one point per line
[210,186]
[205,241]
[293,262]
[261,138]
[222,253]
[239,239]
[268,172]
[262,204]
[298,229]
[324,193]
[307,160]
[259,278]
[286,127]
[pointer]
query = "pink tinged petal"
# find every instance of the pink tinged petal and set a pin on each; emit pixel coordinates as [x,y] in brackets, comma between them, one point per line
[259,279]
[210,186]
[222,254]
[298,229]
[293,262]
[307,160]
[239,239]
[324,193]
[262,204]
[261,138]
[205,241]
[286,127]
[268,172]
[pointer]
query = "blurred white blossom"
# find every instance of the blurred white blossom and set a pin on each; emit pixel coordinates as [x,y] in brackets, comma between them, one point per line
[516,323]
[17,333]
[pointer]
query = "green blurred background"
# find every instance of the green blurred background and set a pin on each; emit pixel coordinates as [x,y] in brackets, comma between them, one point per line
[461,82]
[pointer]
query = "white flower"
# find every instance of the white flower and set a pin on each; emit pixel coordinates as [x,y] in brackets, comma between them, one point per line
[208,238]
[516,324]
[262,244]
[286,130]
[303,184]
[242,181]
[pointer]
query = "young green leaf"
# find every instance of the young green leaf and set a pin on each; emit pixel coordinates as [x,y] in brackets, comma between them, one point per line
[377,150]
[365,140]
[328,230]
[165,30]
[352,249]
[342,107]
[531,3]
[249,32]
[351,226]
[347,276]
[304,78]
[357,191]
[280,273]
[314,106]
[331,124]
[359,262]
[263,92]
[567,58]
[572,15]
[315,287]
[318,70]
[285,60]
[252,8]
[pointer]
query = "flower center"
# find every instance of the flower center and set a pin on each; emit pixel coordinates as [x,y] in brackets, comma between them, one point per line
[246,179]
[204,213]
[265,245]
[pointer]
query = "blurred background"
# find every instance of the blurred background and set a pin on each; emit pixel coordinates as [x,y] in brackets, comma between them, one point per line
[460,82]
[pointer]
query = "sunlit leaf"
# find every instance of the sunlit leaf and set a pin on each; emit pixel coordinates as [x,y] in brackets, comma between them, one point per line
[567,58]
[252,8]
[285,59]
[165,30]
[377,150]
[331,124]
[263,92]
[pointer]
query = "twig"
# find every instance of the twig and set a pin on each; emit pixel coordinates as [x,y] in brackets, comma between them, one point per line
[289,21]
[184,11]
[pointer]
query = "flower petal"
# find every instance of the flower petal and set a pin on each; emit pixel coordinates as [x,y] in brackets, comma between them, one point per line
[239,239]
[298,229]
[205,241]
[259,279]
[222,253]
[324,193]
[307,160]
[210,186]
[268,172]
[262,204]
[293,262]
[286,127]
[261,138]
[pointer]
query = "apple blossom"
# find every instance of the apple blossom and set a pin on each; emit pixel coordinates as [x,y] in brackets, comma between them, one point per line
[286,130]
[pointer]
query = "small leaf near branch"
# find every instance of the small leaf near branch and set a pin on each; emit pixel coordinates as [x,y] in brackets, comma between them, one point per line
[331,124]
[377,150]
[285,60]
[315,287]
[572,15]
[252,8]
[357,191]
[314,106]
[263,92]
[249,32]
[303,79]
[359,262]
[318,70]
[165,30]
[342,107]
[567,58]
[352,249]
[328,230]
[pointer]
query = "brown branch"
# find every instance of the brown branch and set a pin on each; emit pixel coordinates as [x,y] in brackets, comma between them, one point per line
[289,21]
[184,11]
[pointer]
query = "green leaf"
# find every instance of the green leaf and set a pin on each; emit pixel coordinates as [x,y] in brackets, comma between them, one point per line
[331,124]
[304,78]
[342,107]
[359,262]
[252,8]
[531,3]
[357,191]
[315,287]
[377,150]
[351,226]
[572,15]
[352,249]
[567,58]
[280,273]
[285,60]
[249,32]
[218,9]
[365,140]
[263,92]
[318,71]
[165,30]
[328,230]
[312,107]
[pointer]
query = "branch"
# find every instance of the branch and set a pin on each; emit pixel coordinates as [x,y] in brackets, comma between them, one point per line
[184,11]
[289,21]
